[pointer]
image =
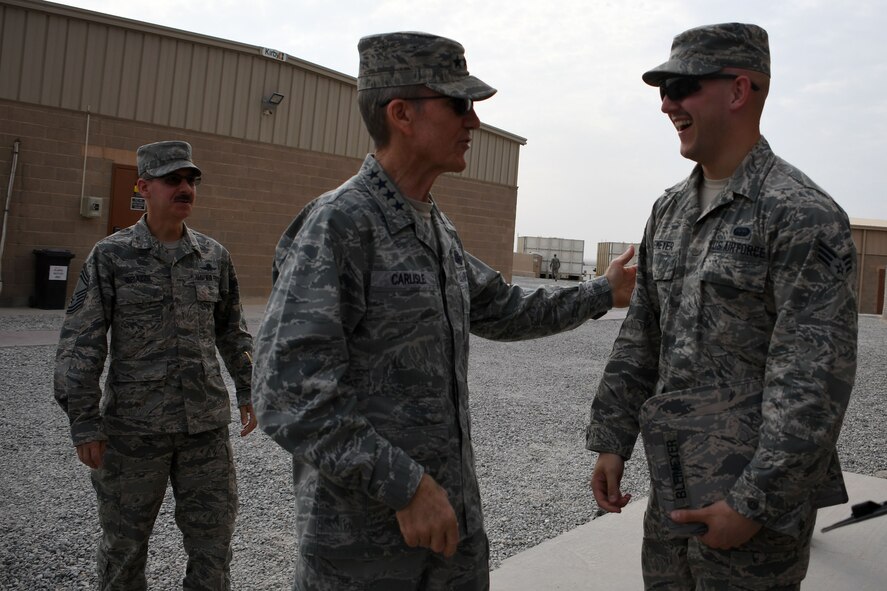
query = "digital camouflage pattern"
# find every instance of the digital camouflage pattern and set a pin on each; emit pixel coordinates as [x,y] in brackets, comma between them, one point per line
[162,158]
[761,287]
[770,561]
[131,485]
[166,409]
[710,48]
[362,360]
[697,442]
[400,572]
[407,59]
[168,312]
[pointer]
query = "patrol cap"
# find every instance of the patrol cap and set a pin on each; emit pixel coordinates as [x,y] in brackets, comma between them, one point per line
[410,58]
[708,49]
[160,158]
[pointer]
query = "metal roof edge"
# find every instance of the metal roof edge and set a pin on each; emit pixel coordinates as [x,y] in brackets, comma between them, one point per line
[868,223]
[146,27]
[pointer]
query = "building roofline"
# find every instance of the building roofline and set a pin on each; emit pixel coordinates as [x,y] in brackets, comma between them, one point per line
[868,224]
[145,27]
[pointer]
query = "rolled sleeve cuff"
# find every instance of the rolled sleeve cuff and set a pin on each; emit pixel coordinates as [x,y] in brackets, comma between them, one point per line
[753,503]
[600,295]
[396,479]
[244,397]
[604,440]
[748,500]
[86,431]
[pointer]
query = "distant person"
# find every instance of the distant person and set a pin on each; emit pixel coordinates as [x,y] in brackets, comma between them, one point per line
[554,266]
[738,353]
[169,297]
[362,357]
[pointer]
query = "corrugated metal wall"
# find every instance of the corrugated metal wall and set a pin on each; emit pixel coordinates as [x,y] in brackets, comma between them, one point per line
[73,59]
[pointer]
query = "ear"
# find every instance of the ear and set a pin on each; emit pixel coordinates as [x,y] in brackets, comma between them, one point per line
[401,116]
[740,92]
[142,186]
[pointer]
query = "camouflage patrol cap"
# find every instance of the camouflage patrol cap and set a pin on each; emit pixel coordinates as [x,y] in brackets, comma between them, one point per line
[160,158]
[409,58]
[708,49]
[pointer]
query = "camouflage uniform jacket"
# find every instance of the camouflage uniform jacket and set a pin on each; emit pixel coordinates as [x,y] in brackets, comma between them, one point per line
[362,359]
[167,313]
[756,292]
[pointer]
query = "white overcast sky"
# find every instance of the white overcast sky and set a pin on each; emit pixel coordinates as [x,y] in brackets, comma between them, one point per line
[599,151]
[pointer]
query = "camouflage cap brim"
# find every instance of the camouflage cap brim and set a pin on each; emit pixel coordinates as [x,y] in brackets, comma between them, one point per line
[673,68]
[469,87]
[168,168]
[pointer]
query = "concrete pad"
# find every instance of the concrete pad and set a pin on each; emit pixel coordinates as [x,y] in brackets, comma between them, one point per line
[606,553]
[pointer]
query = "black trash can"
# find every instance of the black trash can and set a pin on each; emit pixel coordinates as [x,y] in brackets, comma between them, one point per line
[51,278]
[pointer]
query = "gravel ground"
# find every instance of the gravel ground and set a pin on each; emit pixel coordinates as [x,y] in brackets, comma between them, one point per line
[530,405]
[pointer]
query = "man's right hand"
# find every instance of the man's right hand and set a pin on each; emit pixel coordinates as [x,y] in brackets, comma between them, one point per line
[622,278]
[92,453]
[605,483]
[429,520]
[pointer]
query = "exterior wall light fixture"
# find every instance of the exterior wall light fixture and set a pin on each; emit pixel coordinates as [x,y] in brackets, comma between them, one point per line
[269,103]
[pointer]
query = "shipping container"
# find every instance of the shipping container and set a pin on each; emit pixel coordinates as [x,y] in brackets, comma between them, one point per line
[569,252]
[607,251]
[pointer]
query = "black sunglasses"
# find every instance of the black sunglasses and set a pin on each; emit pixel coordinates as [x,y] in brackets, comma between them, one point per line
[460,106]
[174,180]
[677,89]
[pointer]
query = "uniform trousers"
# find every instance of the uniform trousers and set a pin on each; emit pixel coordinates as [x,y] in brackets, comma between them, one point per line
[769,561]
[130,487]
[414,569]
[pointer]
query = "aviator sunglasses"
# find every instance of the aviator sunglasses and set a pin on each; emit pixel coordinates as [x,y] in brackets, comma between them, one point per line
[174,180]
[461,106]
[677,89]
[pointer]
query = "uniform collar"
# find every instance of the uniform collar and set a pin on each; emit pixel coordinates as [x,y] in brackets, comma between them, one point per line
[747,179]
[398,213]
[143,238]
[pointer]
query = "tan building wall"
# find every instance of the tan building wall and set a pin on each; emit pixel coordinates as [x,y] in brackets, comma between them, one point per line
[250,193]
[870,237]
[59,56]
[527,265]
[883,283]
[64,71]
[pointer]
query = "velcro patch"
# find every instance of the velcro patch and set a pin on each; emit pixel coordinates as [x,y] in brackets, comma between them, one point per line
[404,280]
[79,292]
[839,266]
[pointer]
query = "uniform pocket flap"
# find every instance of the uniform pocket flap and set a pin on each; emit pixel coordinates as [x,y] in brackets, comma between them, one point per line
[745,275]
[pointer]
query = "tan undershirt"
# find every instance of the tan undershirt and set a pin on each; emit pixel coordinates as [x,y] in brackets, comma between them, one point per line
[709,190]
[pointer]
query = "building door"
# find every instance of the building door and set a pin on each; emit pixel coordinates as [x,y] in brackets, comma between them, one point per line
[127,206]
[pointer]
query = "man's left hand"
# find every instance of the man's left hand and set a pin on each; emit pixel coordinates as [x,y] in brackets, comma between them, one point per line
[726,528]
[247,419]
